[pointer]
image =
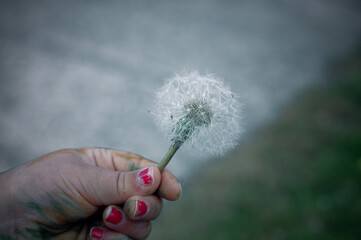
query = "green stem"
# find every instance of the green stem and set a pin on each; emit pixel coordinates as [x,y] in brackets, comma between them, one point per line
[168,156]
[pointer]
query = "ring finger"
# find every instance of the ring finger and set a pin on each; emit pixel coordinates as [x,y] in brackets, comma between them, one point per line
[115,219]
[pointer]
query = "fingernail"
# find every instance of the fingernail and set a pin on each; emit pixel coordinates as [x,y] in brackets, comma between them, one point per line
[179,194]
[96,232]
[112,215]
[145,176]
[141,208]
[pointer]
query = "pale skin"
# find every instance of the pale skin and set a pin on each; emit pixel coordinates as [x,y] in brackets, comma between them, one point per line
[88,193]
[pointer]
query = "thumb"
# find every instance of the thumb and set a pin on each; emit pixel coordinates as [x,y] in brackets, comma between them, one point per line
[105,187]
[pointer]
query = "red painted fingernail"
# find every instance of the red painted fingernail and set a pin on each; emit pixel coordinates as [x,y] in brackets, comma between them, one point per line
[141,208]
[96,232]
[113,215]
[145,177]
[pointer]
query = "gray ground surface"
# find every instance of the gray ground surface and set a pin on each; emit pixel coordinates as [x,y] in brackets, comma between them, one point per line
[83,73]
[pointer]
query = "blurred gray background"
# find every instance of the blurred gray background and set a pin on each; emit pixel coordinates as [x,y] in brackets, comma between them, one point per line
[83,73]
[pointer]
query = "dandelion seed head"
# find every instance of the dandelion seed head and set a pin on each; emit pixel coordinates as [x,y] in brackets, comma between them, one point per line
[199,110]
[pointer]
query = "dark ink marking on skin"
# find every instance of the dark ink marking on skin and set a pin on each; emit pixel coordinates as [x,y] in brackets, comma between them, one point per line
[39,231]
[128,208]
[5,237]
[132,166]
[178,195]
[160,193]
[53,219]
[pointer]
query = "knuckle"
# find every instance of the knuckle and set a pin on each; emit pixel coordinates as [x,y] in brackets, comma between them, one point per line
[121,183]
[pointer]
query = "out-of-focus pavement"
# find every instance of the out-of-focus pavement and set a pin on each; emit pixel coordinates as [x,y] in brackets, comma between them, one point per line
[83,73]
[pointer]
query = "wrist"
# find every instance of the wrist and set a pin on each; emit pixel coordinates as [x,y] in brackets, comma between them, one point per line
[7,201]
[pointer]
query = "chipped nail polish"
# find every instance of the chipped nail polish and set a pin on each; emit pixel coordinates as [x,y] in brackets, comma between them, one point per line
[145,177]
[96,232]
[113,216]
[141,208]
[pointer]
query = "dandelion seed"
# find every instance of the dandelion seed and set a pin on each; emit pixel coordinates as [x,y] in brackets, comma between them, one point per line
[198,109]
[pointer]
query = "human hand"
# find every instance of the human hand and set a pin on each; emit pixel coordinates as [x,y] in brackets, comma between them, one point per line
[85,193]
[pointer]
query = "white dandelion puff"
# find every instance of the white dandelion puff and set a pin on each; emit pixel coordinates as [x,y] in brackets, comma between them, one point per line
[200,111]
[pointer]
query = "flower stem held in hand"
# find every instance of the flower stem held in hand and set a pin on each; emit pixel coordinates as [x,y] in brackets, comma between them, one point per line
[168,156]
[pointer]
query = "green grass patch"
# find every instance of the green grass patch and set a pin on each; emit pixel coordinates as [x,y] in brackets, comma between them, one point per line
[297,178]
